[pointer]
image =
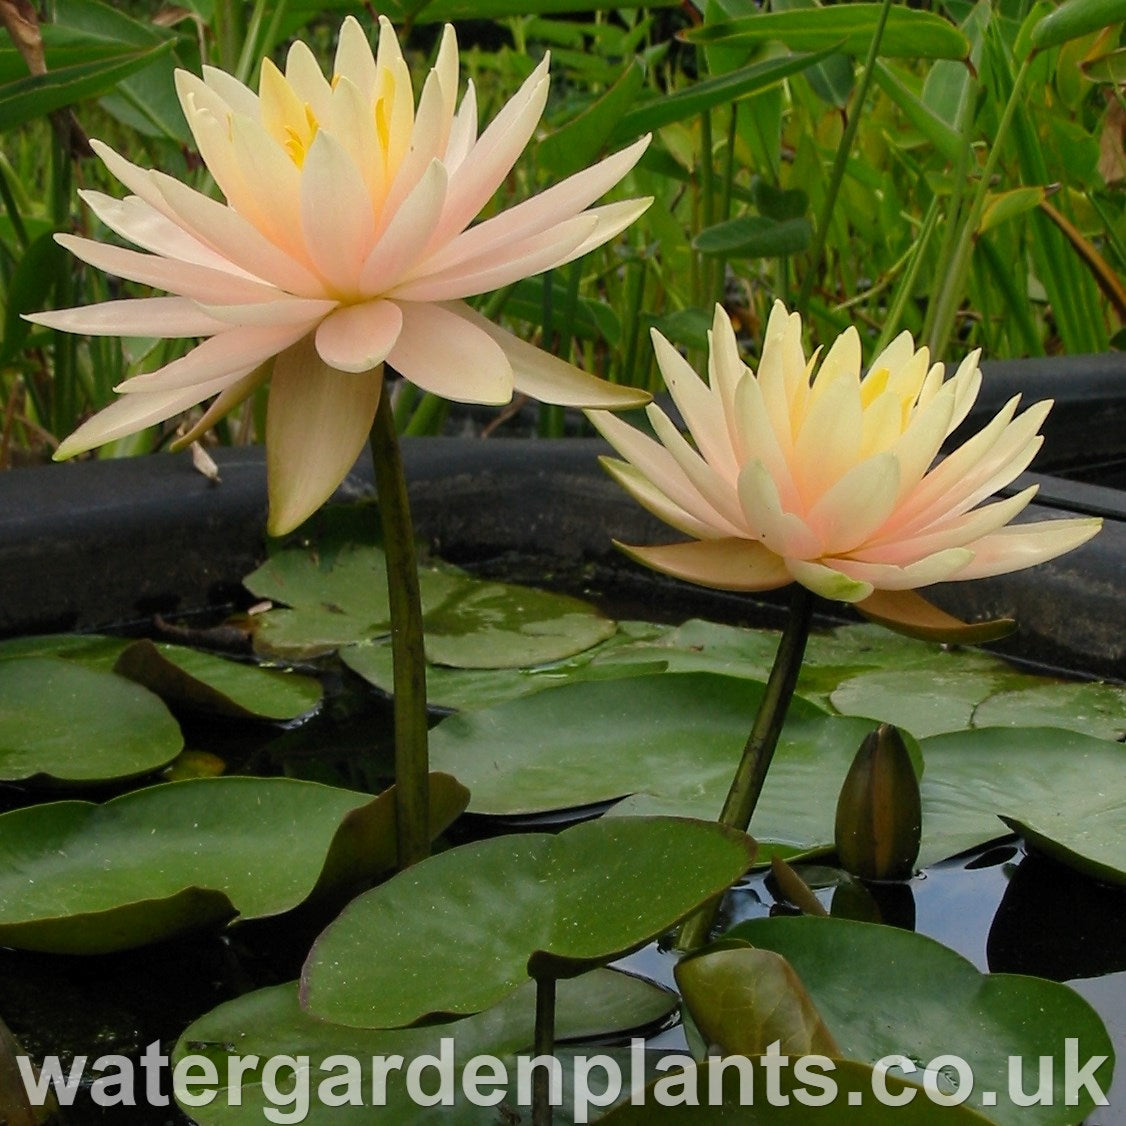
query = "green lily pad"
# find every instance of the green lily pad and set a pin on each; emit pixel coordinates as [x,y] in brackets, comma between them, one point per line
[931,701]
[466,928]
[270,1022]
[80,878]
[473,689]
[194,679]
[94,649]
[666,744]
[883,991]
[468,623]
[1067,788]
[63,722]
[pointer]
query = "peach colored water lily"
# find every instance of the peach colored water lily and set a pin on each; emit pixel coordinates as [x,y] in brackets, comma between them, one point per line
[343,243]
[820,475]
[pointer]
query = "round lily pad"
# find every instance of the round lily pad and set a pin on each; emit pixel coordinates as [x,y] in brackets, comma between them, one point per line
[465,928]
[76,877]
[61,722]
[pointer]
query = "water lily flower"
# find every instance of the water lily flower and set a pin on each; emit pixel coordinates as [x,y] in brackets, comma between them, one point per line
[344,242]
[824,476]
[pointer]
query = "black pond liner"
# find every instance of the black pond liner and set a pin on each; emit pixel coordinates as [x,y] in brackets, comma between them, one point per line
[86,545]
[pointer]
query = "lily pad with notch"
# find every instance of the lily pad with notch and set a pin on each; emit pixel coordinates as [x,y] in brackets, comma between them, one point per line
[464,929]
[81,878]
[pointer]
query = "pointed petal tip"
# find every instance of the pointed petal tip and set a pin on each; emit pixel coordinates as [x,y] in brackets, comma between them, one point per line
[908,613]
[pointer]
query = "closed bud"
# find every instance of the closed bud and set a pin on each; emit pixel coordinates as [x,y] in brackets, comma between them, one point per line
[879,812]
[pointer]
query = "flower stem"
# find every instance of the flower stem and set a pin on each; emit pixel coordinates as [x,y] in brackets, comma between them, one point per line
[543,1045]
[412,767]
[746,786]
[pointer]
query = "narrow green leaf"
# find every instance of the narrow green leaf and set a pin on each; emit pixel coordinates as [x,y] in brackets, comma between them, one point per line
[575,145]
[944,138]
[1003,206]
[439,11]
[910,33]
[32,97]
[31,282]
[1074,18]
[711,92]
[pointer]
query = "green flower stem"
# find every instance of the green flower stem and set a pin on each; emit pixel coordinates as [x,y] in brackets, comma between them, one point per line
[746,786]
[543,1045]
[412,765]
[840,162]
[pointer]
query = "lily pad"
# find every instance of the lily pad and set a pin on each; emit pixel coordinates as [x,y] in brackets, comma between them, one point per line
[270,1023]
[468,623]
[1066,788]
[473,689]
[464,929]
[80,878]
[61,722]
[94,649]
[884,991]
[667,743]
[203,681]
[931,701]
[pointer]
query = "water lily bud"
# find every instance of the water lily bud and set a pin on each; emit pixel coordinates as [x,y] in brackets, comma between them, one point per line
[879,812]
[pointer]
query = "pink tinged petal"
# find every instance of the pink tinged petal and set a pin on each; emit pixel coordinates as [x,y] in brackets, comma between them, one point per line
[303,73]
[352,123]
[882,425]
[719,493]
[911,513]
[542,211]
[182,278]
[909,613]
[700,408]
[160,317]
[523,260]
[1025,545]
[431,127]
[828,444]
[548,378]
[142,224]
[771,376]
[354,59]
[224,403]
[759,442]
[317,421]
[936,568]
[199,100]
[138,180]
[828,582]
[237,349]
[725,372]
[335,214]
[857,505]
[228,232]
[240,98]
[894,356]
[276,212]
[442,352]
[477,177]
[281,311]
[358,337]
[388,52]
[724,564]
[463,130]
[954,533]
[653,461]
[1009,456]
[785,533]
[842,359]
[906,382]
[446,66]
[401,243]
[131,413]
[653,500]
[967,380]
[613,218]
[917,447]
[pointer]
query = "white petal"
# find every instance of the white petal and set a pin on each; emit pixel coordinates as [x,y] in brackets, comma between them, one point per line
[162,317]
[548,378]
[725,372]
[182,278]
[236,349]
[131,413]
[428,138]
[224,403]
[785,533]
[317,422]
[651,498]
[612,219]
[240,98]
[441,352]
[1026,545]
[463,130]
[303,73]
[354,59]
[936,568]
[827,445]
[358,337]
[281,311]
